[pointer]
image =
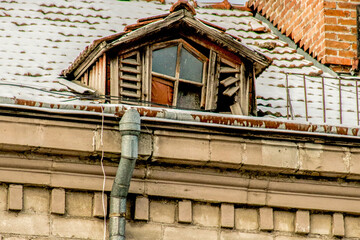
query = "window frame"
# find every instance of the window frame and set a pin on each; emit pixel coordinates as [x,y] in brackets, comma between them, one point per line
[181,43]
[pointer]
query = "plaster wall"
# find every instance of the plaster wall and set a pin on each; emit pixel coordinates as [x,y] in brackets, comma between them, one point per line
[162,218]
[189,182]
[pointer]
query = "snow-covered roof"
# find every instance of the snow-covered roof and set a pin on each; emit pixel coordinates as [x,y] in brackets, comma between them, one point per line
[40,38]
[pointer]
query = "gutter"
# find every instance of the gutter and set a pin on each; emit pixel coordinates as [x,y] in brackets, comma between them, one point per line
[185,116]
[130,131]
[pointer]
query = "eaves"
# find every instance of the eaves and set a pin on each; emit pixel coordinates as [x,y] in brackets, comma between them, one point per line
[194,121]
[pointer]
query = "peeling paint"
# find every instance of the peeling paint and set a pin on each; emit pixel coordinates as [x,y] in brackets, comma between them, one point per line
[355,131]
[342,130]
[199,117]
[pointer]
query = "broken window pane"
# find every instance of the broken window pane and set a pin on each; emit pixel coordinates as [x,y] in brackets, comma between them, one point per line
[164,61]
[188,96]
[191,68]
[162,91]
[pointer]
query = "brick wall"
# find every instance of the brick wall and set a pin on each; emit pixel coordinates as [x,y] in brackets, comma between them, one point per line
[324,28]
[39,213]
[340,34]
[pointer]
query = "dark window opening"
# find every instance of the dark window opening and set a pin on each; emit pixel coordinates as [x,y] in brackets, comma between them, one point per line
[224,102]
[189,96]
[178,75]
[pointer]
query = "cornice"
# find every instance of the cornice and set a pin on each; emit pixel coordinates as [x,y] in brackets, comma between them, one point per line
[198,185]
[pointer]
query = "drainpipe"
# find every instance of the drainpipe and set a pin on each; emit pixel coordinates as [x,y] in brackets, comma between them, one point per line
[130,130]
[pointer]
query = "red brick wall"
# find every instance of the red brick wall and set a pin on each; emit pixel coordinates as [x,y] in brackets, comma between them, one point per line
[324,28]
[340,34]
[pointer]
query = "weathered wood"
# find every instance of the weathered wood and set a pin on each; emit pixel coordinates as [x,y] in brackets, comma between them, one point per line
[165,44]
[146,76]
[230,43]
[148,30]
[228,70]
[194,51]
[131,94]
[212,46]
[206,36]
[243,94]
[177,75]
[160,75]
[130,84]
[91,78]
[252,92]
[130,62]
[130,78]
[216,79]
[191,82]
[96,74]
[85,78]
[129,55]
[139,68]
[102,70]
[130,70]
[211,88]
[228,81]
[231,91]
[89,61]
[179,17]
[229,63]
[236,109]
[114,78]
[203,88]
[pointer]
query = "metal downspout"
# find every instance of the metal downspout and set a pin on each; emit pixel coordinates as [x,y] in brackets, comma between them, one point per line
[130,130]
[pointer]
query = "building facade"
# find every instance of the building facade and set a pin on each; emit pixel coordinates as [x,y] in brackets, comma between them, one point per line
[279,161]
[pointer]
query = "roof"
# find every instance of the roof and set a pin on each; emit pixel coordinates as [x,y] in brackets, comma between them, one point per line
[40,38]
[176,21]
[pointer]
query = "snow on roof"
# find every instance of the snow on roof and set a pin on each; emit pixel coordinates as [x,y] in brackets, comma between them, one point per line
[40,38]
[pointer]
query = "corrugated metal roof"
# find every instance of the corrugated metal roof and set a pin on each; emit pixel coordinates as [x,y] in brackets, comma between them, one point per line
[40,38]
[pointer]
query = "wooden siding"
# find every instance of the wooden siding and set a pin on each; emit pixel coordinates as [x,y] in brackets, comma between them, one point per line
[95,76]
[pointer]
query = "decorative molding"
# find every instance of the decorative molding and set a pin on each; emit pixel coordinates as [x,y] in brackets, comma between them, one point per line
[189,184]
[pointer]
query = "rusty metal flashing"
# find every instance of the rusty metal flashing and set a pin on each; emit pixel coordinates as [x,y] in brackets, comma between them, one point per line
[195,118]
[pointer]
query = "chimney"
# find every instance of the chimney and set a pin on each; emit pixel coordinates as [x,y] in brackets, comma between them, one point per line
[326,29]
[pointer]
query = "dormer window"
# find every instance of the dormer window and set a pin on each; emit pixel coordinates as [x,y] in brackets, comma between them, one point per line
[178,75]
[173,60]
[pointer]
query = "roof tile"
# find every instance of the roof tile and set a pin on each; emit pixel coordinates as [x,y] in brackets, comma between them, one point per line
[41,37]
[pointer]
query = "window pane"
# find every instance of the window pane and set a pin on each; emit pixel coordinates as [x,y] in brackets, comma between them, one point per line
[188,96]
[164,61]
[191,68]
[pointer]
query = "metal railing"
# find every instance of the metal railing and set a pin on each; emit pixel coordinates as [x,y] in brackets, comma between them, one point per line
[347,96]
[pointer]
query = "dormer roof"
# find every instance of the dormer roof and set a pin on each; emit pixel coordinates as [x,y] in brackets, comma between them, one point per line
[181,20]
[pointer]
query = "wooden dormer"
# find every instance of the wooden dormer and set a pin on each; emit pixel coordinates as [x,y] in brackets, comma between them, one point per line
[173,60]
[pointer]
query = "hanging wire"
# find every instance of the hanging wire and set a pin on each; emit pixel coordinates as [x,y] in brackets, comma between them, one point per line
[103,170]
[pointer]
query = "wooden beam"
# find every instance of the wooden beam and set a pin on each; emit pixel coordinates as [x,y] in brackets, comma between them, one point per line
[231,91]
[114,78]
[236,109]
[211,86]
[228,81]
